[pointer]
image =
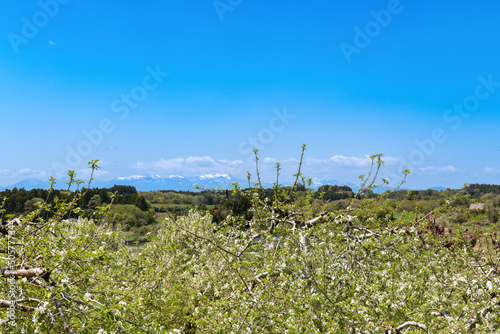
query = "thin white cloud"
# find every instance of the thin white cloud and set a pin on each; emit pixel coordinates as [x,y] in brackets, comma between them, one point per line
[28,172]
[190,166]
[490,170]
[201,161]
[268,160]
[52,43]
[84,174]
[341,160]
[290,161]
[445,169]
[231,162]
[4,171]
[352,162]
[161,164]
[25,171]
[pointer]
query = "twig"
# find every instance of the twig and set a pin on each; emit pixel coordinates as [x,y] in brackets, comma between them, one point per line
[65,322]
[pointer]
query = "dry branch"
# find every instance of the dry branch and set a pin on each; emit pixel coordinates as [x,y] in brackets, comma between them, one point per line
[24,308]
[411,323]
[28,273]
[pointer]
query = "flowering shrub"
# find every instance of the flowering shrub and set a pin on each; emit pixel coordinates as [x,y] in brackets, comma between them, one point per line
[288,269]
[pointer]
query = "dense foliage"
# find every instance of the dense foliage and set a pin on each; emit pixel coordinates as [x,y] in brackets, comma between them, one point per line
[477,190]
[292,267]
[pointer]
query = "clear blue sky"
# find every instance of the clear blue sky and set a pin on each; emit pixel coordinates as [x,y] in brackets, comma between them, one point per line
[349,79]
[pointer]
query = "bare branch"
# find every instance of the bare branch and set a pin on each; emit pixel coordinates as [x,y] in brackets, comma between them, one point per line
[261,276]
[28,273]
[24,308]
[66,325]
[411,323]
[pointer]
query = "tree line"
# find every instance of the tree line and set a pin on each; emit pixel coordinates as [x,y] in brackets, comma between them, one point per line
[132,208]
[22,201]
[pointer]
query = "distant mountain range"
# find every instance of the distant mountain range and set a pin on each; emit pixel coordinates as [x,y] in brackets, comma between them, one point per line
[140,182]
[176,182]
[28,184]
[171,182]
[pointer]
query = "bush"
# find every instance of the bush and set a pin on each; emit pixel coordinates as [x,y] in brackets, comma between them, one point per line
[492,215]
[129,215]
[288,271]
[460,218]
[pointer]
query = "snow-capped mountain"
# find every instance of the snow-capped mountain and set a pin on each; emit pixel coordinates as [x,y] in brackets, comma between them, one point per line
[174,182]
[141,182]
[170,182]
[157,182]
